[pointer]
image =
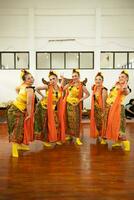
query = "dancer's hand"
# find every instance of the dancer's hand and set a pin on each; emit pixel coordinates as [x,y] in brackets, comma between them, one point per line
[42,98]
[28,117]
[62,77]
[125,86]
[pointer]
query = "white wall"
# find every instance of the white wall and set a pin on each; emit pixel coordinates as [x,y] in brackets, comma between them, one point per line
[95,25]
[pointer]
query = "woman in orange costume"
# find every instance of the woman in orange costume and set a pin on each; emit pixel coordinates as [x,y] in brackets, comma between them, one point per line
[48,125]
[73,106]
[116,124]
[98,105]
[21,115]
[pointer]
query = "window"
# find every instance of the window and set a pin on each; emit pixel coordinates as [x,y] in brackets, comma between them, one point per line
[7,61]
[22,60]
[106,60]
[14,60]
[64,60]
[131,60]
[117,60]
[43,60]
[86,60]
[57,60]
[72,60]
[120,60]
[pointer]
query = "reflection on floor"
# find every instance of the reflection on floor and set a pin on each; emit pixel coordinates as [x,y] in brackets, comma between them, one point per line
[89,172]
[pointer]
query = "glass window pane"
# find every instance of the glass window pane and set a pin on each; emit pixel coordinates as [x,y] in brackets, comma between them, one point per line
[57,60]
[43,60]
[86,60]
[22,60]
[7,60]
[131,60]
[121,60]
[106,60]
[72,60]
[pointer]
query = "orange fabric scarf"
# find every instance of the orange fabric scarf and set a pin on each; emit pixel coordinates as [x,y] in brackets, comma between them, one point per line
[52,136]
[51,121]
[113,124]
[93,129]
[29,125]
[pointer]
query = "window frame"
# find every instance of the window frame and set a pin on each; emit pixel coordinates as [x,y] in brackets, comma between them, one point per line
[64,52]
[113,67]
[14,54]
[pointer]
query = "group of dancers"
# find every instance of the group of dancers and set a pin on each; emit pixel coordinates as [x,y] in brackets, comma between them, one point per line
[56,117]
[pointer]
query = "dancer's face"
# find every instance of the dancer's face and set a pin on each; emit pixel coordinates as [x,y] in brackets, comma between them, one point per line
[132,102]
[123,78]
[29,79]
[98,80]
[53,80]
[75,77]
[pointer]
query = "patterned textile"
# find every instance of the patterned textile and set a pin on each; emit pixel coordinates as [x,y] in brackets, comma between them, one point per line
[73,120]
[41,123]
[15,120]
[122,132]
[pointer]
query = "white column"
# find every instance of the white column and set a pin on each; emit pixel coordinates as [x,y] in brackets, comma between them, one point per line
[98,40]
[32,41]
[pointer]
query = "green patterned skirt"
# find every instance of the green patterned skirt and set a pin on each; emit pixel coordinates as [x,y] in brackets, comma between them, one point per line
[100,120]
[122,132]
[41,123]
[73,120]
[15,119]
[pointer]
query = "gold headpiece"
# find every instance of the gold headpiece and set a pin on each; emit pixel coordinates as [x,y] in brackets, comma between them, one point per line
[76,70]
[125,72]
[100,74]
[23,71]
[52,73]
